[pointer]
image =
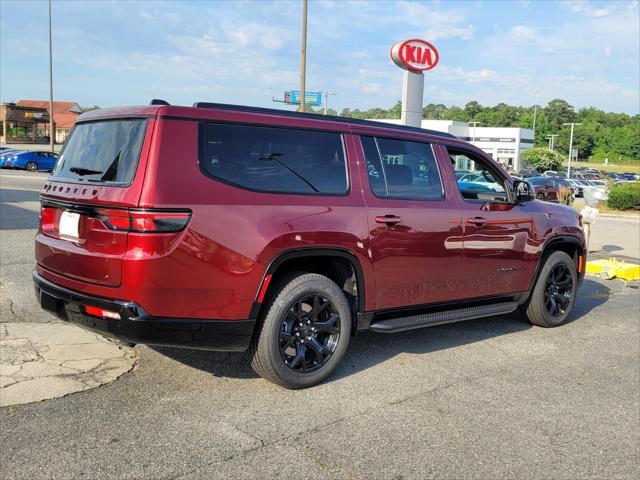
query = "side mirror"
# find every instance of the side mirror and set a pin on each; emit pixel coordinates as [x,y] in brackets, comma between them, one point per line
[523,190]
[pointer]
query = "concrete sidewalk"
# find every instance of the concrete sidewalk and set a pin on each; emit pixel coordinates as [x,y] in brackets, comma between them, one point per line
[39,361]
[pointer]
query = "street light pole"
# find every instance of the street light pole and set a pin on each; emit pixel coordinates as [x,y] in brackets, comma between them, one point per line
[552,139]
[535,113]
[573,124]
[52,136]
[303,57]
[326,100]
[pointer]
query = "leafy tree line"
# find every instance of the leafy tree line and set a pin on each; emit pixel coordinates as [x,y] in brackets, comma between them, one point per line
[615,136]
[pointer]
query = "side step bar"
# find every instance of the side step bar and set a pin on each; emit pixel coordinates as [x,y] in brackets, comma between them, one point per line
[400,324]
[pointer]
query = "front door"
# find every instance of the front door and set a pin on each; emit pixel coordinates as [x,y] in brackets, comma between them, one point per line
[414,227]
[499,235]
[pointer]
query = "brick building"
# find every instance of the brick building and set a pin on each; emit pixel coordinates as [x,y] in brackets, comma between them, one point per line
[64,115]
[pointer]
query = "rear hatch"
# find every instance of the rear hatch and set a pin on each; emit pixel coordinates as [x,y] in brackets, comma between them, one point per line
[86,202]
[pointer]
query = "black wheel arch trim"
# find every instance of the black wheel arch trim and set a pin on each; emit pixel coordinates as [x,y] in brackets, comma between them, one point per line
[545,253]
[296,253]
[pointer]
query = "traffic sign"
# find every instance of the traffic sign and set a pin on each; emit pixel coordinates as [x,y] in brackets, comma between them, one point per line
[310,98]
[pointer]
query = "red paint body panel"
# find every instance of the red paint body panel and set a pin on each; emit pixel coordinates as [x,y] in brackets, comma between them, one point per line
[214,268]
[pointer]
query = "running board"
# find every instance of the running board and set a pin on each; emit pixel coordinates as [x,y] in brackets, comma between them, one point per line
[400,324]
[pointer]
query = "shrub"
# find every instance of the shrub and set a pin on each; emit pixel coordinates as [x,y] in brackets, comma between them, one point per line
[624,196]
[543,159]
[565,196]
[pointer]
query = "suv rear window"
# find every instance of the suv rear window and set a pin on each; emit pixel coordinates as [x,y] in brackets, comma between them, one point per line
[402,169]
[105,151]
[277,160]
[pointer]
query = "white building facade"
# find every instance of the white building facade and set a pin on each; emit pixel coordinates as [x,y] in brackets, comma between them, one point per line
[505,145]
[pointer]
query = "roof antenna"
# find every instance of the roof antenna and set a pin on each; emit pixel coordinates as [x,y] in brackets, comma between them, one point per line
[157,101]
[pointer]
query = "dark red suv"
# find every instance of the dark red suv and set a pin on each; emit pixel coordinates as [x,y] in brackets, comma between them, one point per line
[232,228]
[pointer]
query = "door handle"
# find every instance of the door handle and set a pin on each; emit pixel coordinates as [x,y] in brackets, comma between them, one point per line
[477,221]
[389,220]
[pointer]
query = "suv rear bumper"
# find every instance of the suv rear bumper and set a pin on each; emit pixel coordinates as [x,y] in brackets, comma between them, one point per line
[136,326]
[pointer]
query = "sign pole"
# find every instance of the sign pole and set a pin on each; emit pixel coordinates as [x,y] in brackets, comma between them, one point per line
[52,133]
[414,57]
[303,57]
[412,94]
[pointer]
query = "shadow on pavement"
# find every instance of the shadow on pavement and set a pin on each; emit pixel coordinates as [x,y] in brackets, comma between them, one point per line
[15,217]
[369,349]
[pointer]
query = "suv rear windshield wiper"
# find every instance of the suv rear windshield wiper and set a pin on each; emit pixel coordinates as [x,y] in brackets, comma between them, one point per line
[275,155]
[84,171]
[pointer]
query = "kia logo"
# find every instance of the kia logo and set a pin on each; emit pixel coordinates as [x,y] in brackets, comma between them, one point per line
[415,55]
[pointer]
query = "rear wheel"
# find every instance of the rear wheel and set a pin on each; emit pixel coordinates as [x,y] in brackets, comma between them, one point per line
[540,196]
[554,293]
[304,333]
[32,166]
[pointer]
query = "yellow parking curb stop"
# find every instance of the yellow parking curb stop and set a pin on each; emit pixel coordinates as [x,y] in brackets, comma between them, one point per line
[612,268]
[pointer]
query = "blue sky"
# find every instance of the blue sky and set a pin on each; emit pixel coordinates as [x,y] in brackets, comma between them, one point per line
[125,53]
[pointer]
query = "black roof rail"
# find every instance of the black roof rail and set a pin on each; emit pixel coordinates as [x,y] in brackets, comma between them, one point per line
[316,116]
[158,101]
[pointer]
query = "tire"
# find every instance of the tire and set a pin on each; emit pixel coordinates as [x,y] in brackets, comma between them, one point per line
[554,293]
[31,167]
[540,196]
[306,359]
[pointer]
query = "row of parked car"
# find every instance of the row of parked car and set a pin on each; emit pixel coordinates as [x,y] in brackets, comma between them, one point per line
[30,160]
[545,186]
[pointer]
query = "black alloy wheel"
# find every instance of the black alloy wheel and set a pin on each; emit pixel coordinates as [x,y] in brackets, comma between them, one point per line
[309,334]
[303,332]
[32,166]
[558,291]
[554,292]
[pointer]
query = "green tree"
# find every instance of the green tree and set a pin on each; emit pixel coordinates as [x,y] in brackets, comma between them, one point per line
[456,113]
[543,159]
[558,112]
[434,111]
[472,109]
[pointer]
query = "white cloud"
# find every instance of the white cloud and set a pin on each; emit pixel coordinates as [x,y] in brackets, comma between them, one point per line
[522,33]
[583,7]
[473,76]
[372,88]
[436,25]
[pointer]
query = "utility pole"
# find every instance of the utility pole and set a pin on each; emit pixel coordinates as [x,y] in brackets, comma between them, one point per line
[326,100]
[573,124]
[52,133]
[535,113]
[552,139]
[303,58]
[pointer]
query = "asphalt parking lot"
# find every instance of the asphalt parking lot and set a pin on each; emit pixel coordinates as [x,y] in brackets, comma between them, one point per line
[491,398]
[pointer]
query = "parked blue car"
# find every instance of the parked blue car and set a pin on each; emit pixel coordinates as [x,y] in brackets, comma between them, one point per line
[31,161]
[5,153]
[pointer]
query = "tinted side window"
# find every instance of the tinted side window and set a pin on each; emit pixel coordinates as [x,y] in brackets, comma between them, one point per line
[479,183]
[402,169]
[277,160]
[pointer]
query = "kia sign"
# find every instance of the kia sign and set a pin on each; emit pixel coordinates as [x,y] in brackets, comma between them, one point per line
[415,55]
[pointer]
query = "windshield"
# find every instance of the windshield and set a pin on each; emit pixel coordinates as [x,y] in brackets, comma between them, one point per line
[105,151]
[537,180]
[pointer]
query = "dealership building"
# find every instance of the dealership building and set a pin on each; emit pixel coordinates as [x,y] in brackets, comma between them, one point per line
[506,145]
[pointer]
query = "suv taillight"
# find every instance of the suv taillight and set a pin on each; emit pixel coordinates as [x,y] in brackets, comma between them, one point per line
[144,221]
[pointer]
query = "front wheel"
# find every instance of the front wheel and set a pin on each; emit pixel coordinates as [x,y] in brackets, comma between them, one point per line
[304,333]
[540,196]
[32,167]
[554,293]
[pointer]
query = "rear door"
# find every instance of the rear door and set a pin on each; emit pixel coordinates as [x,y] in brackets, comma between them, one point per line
[414,226]
[85,200]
